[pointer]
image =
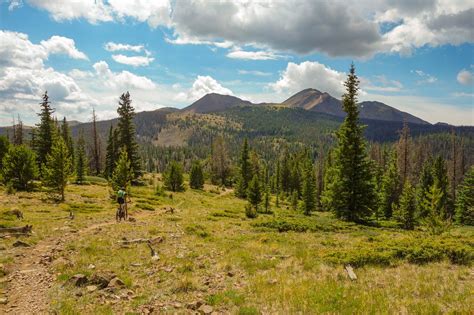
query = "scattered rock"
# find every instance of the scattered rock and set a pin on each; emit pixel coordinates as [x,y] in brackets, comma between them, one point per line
[91,266]
[177,305]
[272,281]
[135,264]
[78,280]
[91,288]
[205,309]
[101,280]
[116,283]
[155,257]
[194,305]
[3,301]
[21,244]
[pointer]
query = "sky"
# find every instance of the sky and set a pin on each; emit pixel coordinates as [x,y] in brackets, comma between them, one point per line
[414,55]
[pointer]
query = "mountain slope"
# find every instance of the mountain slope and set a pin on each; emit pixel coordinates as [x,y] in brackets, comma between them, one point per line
[213,103]
[314,100]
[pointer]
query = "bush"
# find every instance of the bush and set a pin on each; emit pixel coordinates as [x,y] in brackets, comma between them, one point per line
[250,211]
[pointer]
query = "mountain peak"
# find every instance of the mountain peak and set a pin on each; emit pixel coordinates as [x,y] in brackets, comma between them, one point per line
[215,102]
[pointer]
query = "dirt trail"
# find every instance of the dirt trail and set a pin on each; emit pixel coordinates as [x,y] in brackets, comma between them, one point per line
[29,283]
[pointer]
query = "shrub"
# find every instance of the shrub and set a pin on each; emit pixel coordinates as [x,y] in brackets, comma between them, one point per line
[250,212]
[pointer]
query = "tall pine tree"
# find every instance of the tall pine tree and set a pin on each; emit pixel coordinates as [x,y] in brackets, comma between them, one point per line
[465,200]
[45,131]
[58,167]
[390,187]
[127,135]
[309,189]
[350,194]
[245,171]
[220,162]
[81,159]
[405,211]
[196,176]
[112,152]
[66,134]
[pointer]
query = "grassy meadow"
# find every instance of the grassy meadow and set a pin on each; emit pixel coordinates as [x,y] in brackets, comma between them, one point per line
[211,254]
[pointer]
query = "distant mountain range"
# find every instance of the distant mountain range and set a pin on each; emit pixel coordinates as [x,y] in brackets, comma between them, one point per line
[308,99]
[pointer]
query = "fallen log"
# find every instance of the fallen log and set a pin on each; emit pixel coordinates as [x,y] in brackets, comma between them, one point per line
[351,272]
[25,229]
[14,235]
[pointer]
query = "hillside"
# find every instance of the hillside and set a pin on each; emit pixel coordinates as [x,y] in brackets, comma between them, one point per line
[213,102]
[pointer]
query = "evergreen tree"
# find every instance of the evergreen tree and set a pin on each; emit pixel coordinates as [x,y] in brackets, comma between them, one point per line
[390,187]
[277,184]
[294,200]
[350,193]
[19,167]
[4,146]
[122,174]
[81,163]
[465,200]
[426,181]
[196,177]
[220,162]
[45,131]
[440,176]
[309,190]
[174,177]
[266,200]
[319,181]
[112,152]
[285,173]
[127,135]
[66,134]
[434,221]
[96,145]
[18,132]
[405,212]
[58,167]
[254,192]
[245,171]
[403,152]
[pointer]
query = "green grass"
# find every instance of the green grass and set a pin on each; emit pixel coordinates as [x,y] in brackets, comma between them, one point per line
[280,263]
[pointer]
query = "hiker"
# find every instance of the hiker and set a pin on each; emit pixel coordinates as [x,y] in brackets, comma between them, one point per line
[122,197]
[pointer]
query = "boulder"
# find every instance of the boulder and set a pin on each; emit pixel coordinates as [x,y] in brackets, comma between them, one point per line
[205,309]
[78,280]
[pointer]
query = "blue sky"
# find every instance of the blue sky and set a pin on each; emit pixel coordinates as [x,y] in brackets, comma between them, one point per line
[417,56]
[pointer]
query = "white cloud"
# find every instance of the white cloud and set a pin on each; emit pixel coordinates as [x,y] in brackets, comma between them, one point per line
[381,83]
[111,46]
[63,45]
[253,55]
[92,11]
[254,72]
[465,77]
[155,13]
[308,74]
[425,77]
[135,61]
[15,4]
[203,85]
[123,80]
[336,28]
